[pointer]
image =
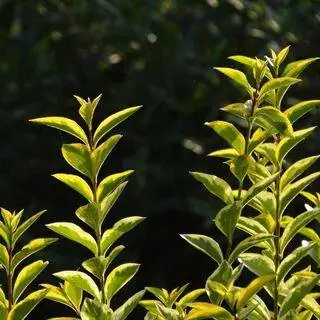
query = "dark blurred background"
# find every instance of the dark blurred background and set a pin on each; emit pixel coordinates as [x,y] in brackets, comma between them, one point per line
[159,53]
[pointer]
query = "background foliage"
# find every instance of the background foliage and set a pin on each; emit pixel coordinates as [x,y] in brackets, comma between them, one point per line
[156,53]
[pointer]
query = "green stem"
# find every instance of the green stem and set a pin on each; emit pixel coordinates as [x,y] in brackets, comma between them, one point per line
[94,182]
[10,280]
[277,256]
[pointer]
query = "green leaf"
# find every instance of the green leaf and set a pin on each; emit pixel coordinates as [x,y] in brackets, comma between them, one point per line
[191,297]
[282,56]
[292,190]
[109,201]
[203,310]
[63,124]
[126,308]
[80,280]
[7,217]
[247,243]
[275,119]
[236,109]
[286,144]
[257,138]
[296,225]
[110,183]
[225,153]
[25,226]
[2,297]
[96,266]
[227,218]
[32,247]
[230,133]
[74,294]
[56,294]
[21,310]
[161,294]
[112,121]
[119,228]
[78,156]
[119,277]
[295,296]
[292,259]
[4,233]
[294,69]
[258,187]
[256,285]
[3,311]
[90,215]
[96,310]
[76,183]
[276,84]
[205,244]
[4,257]
[239,167]
[75,233]
[16,220]
[257,263]
[296,170]
[168,313]
[223,275]
[237,77]
[113,254]
[26,276]
[87,109]
[300,109]
[247,61]
[100,154]
[215,185]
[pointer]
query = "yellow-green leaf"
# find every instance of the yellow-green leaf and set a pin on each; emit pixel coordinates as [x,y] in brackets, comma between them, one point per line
[286,144]
[80,280]
[275,119]
[63,124]
[108,184]
[76,183]
[296,225]
[78,156]
[215,185]
[298,110]
[230,133]
[238,77]
[227,218]
[26,276]
[256,285]
[295,296]
[205,244]
[22,309]
[119,277]
[100,154]
[296,169]
[32,247]
[112,121]
[75,233]
[203,310]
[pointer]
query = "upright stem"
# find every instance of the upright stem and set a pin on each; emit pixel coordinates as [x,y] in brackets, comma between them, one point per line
[277,256]
[94,182]
[247,142]
[10,280]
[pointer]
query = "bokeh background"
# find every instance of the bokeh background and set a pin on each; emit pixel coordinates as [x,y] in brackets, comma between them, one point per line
[159,53]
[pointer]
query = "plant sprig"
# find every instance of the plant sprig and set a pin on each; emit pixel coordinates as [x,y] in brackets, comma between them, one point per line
[14,305]
[258,159]
[89,293]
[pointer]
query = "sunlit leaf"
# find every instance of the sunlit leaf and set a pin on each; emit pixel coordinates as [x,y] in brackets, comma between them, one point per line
[63,124]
